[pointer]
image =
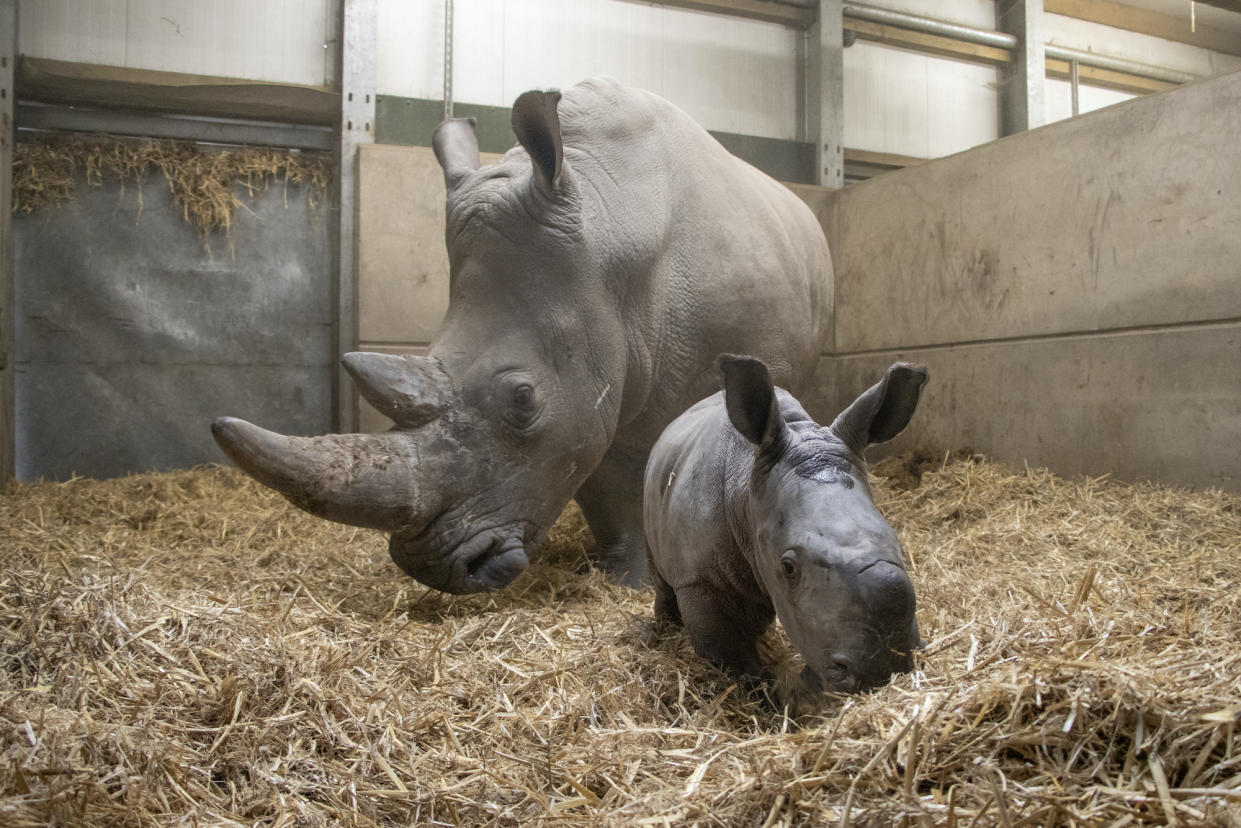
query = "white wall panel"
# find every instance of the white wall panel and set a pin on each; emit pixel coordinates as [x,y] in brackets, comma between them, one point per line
[1089,98]
[730,75]
[409,53]
[91,32]
[273,40]
[910,104]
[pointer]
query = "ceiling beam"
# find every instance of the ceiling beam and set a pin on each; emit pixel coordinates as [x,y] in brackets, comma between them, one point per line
[1142,21]
[791,13]
[1226,5]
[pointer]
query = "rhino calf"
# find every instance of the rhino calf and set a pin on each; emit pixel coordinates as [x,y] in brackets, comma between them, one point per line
[754,510]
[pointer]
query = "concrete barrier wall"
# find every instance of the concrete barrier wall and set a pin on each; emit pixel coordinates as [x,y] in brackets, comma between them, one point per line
[1075,291]
[402,261]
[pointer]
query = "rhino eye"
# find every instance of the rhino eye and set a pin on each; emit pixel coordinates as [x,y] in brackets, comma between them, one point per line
[523,406]
[523,396]
[788,563]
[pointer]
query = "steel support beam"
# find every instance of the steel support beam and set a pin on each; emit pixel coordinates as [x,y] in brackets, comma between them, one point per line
[8,361]
[1023,83]
[825,93]
[149,125]
[358,39]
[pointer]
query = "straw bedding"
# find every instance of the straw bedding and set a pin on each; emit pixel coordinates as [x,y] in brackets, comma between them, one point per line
[187,648]
[206,182]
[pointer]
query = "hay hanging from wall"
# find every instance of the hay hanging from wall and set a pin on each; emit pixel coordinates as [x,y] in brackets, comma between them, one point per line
[188,648]
[204,181]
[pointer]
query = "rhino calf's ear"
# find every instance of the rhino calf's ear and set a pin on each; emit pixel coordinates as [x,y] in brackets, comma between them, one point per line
[456,148]
[536,123]
[883,410]
[750,399]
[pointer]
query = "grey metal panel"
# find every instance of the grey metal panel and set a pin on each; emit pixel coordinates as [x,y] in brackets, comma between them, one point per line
[132,337]
[8,51]
[215,130]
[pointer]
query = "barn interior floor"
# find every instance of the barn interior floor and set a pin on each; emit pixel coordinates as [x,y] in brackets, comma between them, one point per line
[187,647]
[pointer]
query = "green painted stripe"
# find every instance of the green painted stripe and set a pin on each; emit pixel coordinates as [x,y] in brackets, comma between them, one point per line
[412,121]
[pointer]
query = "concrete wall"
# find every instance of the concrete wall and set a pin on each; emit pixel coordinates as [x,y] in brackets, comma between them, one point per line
[1075,291]
[402,261]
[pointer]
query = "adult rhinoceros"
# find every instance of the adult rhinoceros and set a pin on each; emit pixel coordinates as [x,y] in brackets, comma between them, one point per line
[597,273]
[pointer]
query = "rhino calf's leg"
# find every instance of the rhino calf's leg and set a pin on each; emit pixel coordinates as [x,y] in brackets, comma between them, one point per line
[611,502]
[667,610]
[724,631]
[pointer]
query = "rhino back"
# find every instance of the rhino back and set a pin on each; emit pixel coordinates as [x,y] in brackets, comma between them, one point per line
[694,497]
[697,518]
[711,255]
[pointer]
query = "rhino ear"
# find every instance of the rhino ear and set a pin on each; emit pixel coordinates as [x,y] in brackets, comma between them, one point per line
[537,127]
[456,148]
[883,410]
[750,398]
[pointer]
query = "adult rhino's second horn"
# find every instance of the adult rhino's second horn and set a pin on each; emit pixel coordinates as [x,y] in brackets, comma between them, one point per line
[364,480]
[411,390]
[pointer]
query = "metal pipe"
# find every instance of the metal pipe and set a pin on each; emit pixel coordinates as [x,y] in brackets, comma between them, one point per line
[448,58]
[969,34]
[1074,85]
[1000,40]
[1129,67]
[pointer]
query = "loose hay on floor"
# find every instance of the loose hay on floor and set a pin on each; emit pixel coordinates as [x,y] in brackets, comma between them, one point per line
[187,648]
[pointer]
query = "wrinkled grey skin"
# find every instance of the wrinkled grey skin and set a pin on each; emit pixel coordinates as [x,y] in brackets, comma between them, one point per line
[753,510]
[596,272]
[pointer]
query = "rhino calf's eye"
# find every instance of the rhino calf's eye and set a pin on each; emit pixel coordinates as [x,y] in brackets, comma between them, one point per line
[788,562]
[523,396]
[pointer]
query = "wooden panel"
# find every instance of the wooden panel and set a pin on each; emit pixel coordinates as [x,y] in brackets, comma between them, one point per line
[1147,22]
[926,43]
[58,81]
[1107,78]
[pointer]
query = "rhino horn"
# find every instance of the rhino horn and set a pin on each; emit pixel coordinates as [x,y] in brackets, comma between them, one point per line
[456,148]
[361,479]
[411,391]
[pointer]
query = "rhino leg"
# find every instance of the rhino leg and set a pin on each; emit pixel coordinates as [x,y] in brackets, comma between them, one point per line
[611,502]
[724,629]
[667,611]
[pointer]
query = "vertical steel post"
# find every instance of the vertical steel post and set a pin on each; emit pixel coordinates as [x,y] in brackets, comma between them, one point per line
[1023,83]
[1073,80]
[825,93]
[8,366]
[447,59]
[358,36]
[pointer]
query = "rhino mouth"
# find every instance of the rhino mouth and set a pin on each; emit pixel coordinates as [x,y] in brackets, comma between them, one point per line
[486,561]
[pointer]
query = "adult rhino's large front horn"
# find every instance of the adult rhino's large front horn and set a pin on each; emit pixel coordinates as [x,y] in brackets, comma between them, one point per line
[370,480]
